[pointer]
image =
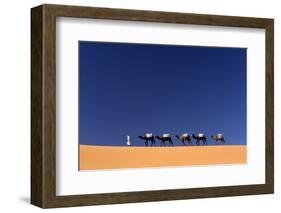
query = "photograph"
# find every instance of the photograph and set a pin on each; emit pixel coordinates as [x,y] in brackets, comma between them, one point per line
[161,105]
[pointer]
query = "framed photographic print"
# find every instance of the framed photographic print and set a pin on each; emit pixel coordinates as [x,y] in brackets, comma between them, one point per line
[136,106]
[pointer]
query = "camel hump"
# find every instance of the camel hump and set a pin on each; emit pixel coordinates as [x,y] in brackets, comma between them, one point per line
[200,135]
[148,135]
[219,135]
[166,135]
[184,135]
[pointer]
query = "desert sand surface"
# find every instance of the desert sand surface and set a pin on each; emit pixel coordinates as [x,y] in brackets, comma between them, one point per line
[110,157]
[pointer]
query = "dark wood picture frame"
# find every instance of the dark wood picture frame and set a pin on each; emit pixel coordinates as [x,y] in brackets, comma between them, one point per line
[43,105]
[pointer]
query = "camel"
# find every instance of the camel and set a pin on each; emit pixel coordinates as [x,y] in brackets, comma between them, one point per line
[148,137]
[164,138]
[184,137]
[200,137]
[218,137]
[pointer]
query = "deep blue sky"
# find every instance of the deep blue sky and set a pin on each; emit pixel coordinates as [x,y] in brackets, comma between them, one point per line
[130,89]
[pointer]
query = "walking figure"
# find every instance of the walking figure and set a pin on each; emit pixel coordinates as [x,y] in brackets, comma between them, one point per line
[128,141]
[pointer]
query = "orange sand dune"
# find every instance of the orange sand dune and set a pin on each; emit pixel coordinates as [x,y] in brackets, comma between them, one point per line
[109,157]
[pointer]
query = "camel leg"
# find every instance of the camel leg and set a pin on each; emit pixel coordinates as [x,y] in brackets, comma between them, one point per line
[146,143]
[198,142]
[183,142]
[170,143]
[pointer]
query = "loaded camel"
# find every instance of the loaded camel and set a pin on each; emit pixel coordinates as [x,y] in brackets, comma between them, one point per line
[200,137]
[148,137]
[218,137]
[184,137]
[164,138]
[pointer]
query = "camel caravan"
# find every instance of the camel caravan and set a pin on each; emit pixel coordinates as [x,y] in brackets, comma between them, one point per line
[185,138]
